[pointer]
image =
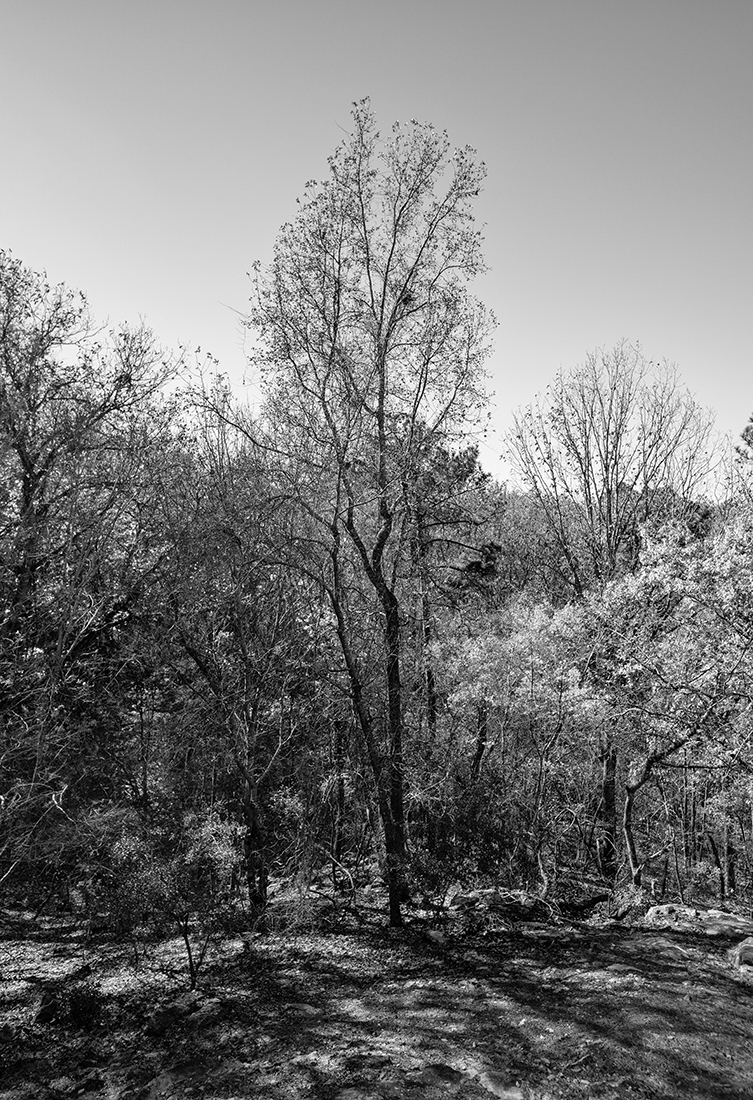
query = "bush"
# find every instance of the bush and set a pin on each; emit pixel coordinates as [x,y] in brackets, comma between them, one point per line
[168,871]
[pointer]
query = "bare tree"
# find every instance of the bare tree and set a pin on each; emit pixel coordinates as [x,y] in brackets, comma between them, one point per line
[613,444]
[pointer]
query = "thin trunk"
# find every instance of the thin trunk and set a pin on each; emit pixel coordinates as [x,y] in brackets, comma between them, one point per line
[686,815]
[664,877]
[680,889]
[608,847]
[430,685]
[718,864]
[636,868]
[730,860]
[395,841]
[482,739]
[386,767]
[339,818]
[253,848]
[638,778]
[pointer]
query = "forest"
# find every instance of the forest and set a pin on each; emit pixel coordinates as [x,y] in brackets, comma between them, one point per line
[312,643]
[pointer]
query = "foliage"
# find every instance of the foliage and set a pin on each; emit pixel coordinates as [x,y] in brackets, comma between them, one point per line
[239,650]
[169,870]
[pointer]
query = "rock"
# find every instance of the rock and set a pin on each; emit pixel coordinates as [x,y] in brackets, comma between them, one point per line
[436,1073]
[190,1067]
[50,1007]
[718,922]
[662,916]
[163,1018]
[391,1090]
[736,921]
[162,1086]
[206,1013]
[374,1062]
[712,922]
[742,955]
[165,1015]
[229,1067]
[186,1004]
[500,1086]
[91,1083]
[63,1084]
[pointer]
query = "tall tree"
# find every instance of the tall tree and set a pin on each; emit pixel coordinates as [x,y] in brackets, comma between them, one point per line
[373,349]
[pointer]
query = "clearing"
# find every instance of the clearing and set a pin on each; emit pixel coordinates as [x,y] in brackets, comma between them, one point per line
[535,1011]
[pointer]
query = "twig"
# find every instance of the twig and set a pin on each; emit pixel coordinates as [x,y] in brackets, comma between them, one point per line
[577,1062]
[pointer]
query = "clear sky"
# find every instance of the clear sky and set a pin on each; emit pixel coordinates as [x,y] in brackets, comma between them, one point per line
[151,149]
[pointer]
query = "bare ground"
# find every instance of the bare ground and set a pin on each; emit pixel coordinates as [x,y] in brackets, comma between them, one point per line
[534,1012]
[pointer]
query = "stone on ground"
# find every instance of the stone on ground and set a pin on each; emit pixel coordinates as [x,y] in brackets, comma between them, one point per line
[500,1086]
[743,954]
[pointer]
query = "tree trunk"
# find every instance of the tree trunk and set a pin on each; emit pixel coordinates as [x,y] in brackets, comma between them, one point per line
[482,739]
[636,868]
[638,778]
[608,848]
[730,860]
[386,765]
[394,831]
[338,824]
[430,685]
[253,849]
[718,864]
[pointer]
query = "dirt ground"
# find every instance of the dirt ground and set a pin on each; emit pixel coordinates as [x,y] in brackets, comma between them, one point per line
[534,1012]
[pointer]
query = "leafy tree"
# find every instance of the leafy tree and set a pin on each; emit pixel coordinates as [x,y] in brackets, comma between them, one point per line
[523,775]
[79,413]
[671,658]
[616,444]
[372,349]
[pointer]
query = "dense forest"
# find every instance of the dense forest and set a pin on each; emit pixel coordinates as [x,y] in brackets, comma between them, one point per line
[314,641]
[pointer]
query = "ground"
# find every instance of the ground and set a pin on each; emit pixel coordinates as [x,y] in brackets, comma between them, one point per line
[532,1011]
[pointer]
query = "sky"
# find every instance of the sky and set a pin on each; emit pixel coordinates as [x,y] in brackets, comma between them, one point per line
[151,149]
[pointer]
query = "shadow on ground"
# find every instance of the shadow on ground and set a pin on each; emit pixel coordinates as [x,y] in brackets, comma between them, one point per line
[537,1013]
